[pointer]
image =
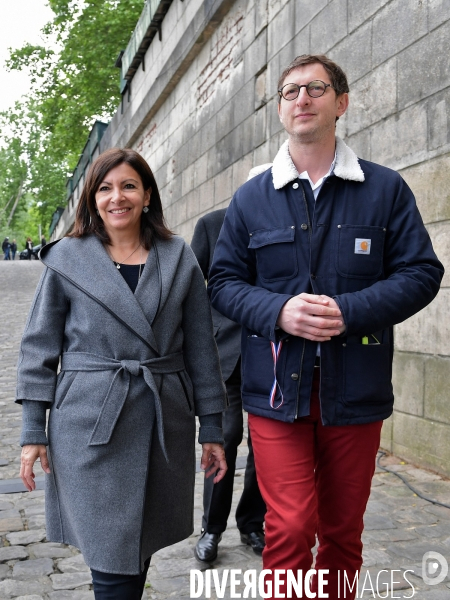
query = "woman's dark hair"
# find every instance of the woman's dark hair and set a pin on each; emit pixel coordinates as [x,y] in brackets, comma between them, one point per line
[87,220]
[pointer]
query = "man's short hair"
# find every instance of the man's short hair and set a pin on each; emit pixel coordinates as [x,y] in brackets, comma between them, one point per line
[337,76]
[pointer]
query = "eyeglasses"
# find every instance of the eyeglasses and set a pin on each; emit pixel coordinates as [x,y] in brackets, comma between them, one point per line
[314,89]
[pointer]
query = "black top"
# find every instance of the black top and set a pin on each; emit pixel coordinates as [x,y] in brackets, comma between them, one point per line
[131,274]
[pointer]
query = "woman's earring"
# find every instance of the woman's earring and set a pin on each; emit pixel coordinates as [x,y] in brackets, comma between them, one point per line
[98,214]
[145,209]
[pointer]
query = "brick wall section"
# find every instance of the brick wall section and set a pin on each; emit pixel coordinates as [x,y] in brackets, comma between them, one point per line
[216,118]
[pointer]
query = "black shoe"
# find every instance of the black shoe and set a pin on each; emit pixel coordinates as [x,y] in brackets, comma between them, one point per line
[255,539]
[206,548]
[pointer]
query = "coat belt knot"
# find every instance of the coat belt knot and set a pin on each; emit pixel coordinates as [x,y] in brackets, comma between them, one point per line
[118,391]
[132,366]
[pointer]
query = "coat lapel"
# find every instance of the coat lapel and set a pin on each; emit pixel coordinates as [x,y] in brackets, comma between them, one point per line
[86,264]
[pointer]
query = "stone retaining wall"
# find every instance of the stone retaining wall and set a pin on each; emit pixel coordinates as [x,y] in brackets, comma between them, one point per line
[204,112]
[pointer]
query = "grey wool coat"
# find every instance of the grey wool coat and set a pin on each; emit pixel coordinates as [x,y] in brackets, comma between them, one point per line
[135,369]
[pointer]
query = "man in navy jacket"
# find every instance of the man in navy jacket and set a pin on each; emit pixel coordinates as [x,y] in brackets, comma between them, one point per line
[318,258]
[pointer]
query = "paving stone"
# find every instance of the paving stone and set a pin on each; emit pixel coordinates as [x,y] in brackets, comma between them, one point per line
[31,569]
[378,522]
[26,537]
[66,595]
[28,597]
[11,588]
[13,553]
[5,571]
[49,550]
[74,564]
[70,581]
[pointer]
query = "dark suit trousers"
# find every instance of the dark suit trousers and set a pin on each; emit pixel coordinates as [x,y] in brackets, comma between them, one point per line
[217,498]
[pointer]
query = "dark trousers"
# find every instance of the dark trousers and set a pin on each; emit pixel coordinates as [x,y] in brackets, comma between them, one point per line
[110,586]
[217,498]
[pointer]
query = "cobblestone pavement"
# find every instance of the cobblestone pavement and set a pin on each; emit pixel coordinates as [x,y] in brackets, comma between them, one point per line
[400,527]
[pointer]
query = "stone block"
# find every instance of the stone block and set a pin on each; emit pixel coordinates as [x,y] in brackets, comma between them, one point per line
[275,6]
[438,13]
[241,169]
[247,129]
[244,104]
[13,553]
[9,588]
[408,381]
[428,331]
[400,140]
[261,89]
[200,169]
[354,54]
[360,143]
[280,29]
[223,186]
[329,27]
[360,11]
[26,537]
[373,98]
[274,124]
[73,564]
[440,237]
[423,68]
[430,183]
[225,119]
[388,37]
[261,154]
[49,550]
[439,121]
[255,57]
[386,434]
[260,124]
[423,442]
[192,204]
[437,406]
[32,569]
[70,581]
[261,16]
[305,11]
[187,180]
[205,194]
[66,595]
[208,134]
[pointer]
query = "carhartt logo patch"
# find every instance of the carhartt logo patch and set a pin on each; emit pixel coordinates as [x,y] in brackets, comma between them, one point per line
[362,246]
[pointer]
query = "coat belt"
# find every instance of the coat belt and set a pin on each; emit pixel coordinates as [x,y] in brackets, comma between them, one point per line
[118,391]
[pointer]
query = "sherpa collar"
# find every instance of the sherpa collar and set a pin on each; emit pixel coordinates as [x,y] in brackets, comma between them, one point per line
[284,170]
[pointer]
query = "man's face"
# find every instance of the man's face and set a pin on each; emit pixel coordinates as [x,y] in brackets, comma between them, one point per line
[306,119]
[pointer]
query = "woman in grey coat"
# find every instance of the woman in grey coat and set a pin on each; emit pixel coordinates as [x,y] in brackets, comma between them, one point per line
[122,310]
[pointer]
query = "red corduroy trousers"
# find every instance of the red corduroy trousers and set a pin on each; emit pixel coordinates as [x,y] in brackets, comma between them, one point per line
[315,481]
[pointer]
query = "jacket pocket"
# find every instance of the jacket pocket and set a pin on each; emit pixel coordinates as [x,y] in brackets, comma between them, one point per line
[367,375]
[276,255]
[257,367]
[63,385]
[360,251]
[186,384]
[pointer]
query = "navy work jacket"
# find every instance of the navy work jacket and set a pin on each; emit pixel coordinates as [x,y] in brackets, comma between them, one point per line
[362,242]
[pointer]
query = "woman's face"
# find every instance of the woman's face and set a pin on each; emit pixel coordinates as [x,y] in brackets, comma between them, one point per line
[120,199]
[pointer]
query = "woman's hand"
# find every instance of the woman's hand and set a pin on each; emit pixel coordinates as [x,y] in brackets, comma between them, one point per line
[30,454]
[213,459]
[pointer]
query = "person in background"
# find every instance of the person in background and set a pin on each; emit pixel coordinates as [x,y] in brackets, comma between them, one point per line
[13,249]
[119,347]
[6,247]
[318,258]
[43,241]
[217,498]
[29,248]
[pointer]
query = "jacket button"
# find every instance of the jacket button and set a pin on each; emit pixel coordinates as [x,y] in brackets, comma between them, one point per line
[345,345]
[339,226]
[294,376]
[304,226]
[313,276]
[295,186]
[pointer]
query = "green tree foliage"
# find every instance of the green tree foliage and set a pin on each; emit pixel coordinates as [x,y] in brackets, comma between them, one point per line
[73,82]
